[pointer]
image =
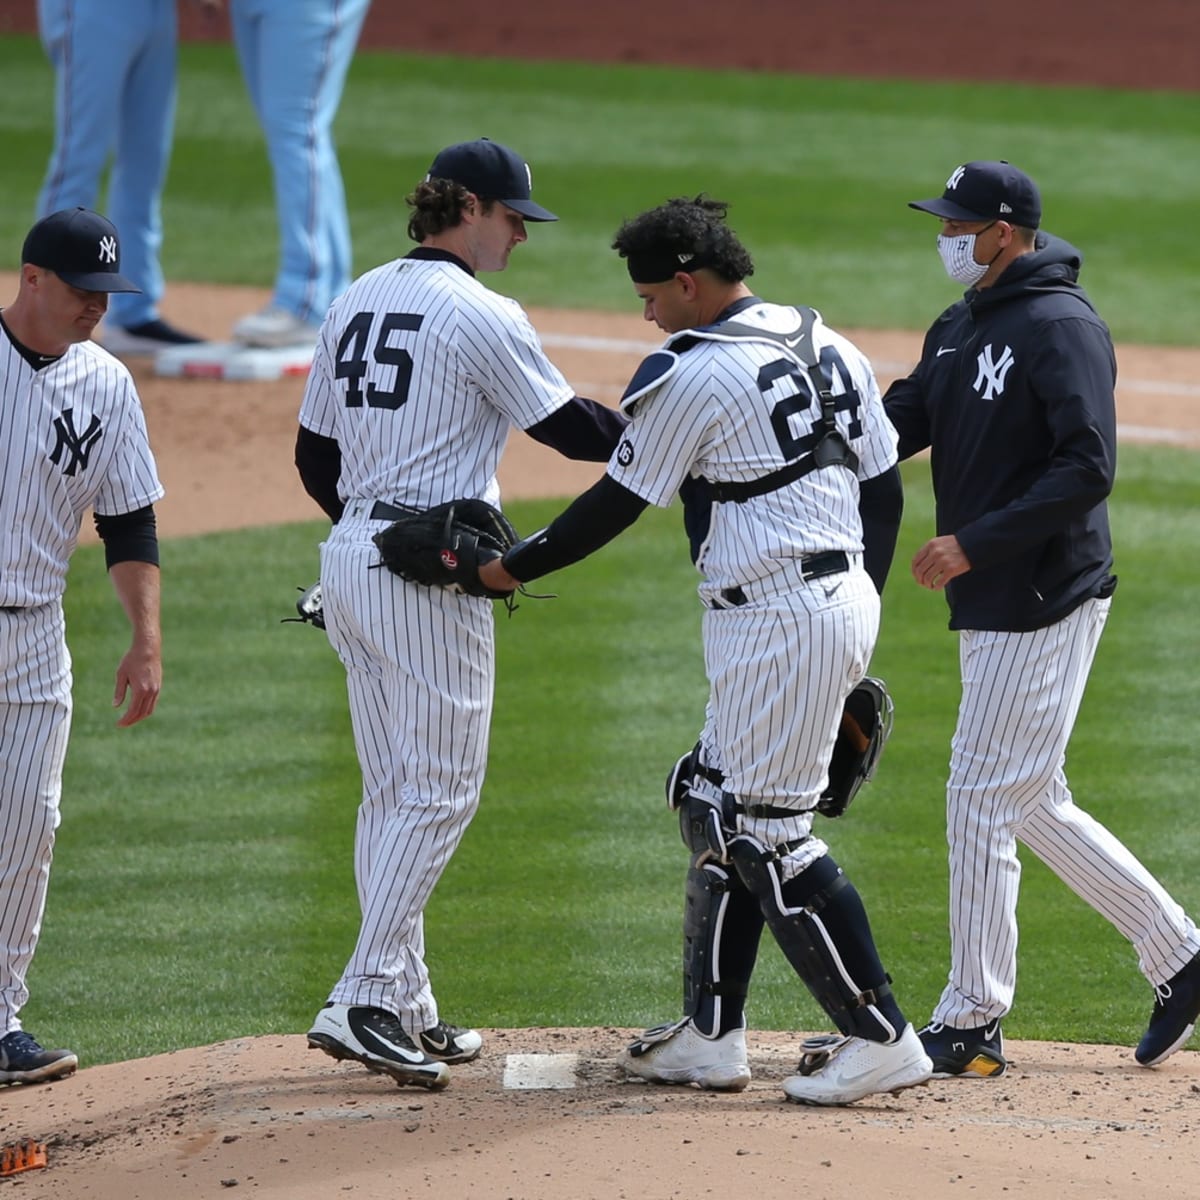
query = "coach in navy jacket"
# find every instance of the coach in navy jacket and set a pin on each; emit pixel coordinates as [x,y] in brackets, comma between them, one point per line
[1014,397]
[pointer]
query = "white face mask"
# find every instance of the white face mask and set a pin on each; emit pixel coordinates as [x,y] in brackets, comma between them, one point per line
[958,257]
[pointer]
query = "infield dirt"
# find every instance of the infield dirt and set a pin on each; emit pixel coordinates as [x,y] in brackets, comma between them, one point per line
[1068,1122]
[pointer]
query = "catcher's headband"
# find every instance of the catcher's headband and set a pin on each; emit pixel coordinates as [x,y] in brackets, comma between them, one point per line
[659,265]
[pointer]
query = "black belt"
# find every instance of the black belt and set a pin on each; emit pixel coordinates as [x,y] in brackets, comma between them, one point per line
[731,807]
[381,510]
[812,566]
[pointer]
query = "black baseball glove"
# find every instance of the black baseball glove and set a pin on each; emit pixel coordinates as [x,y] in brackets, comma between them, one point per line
[867,718]
[445,546]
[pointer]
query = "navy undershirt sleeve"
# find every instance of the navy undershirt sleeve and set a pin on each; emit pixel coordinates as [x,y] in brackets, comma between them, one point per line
[129,537]
[319,462]
[589,522]
[581,429]
[880,505]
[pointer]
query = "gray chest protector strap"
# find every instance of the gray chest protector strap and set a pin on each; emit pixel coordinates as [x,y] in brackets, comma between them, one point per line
[832,450]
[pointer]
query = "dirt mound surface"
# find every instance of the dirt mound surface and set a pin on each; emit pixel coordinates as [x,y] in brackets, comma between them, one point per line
[547,1114]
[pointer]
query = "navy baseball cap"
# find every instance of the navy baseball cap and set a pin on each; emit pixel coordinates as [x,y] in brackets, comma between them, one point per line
[81,247]
[987,191]
[492,172]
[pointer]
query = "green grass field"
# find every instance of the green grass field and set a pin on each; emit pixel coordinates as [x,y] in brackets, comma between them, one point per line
[818,172]
[202,886]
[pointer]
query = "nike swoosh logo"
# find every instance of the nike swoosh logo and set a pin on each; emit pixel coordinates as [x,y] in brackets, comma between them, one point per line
[438,1042]
[830,591]
[991,1032]
[792,343]
[393,1050]
[945,350]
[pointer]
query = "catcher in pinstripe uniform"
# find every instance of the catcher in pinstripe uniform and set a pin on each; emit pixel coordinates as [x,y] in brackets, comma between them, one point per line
[769,425]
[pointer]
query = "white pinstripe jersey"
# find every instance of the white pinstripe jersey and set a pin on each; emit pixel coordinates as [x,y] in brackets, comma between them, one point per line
[734,411]
[419,371]
[72,437]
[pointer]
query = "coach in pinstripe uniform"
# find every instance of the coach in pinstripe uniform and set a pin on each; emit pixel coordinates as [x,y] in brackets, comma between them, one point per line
[72,438]
[1014,397]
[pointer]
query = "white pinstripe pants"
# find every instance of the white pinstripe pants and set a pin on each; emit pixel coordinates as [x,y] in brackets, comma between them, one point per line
[35,717]
[419,669]
[1021,693]
[779,670]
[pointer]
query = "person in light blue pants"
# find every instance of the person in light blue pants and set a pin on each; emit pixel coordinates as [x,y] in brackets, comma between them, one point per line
[294,56]
[114,101]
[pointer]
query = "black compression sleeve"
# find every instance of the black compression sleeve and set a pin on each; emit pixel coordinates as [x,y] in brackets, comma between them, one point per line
[129,537]
[581,429]
[589,522]
[880,505]
[319,462]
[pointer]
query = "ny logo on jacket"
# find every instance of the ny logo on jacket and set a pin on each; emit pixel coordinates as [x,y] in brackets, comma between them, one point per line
[989,383]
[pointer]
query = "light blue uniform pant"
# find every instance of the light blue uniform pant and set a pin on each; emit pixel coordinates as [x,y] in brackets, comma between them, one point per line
[294,56]
[114,63]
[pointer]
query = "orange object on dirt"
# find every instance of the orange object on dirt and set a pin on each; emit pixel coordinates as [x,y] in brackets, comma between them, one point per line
[21,1156]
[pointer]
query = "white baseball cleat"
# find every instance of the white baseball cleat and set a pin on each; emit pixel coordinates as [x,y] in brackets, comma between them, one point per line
[840,1070]
[376,1039]
[680,1053]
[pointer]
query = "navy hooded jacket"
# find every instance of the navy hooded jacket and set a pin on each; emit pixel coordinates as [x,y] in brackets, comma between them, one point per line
[1014,398]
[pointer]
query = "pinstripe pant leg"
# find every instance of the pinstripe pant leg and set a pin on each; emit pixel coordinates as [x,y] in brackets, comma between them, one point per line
[419,665]
[35,710]
[1021,696]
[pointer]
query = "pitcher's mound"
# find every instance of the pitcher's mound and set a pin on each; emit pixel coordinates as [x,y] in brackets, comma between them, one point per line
[545,1114]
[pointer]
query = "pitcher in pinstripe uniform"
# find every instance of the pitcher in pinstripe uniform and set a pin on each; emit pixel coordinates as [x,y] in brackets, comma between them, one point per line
[420,373]
[72,438]
[1014,397]
[769,424]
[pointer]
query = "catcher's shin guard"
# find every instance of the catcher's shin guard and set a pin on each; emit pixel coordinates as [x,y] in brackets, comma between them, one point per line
[722,925]
[820,924]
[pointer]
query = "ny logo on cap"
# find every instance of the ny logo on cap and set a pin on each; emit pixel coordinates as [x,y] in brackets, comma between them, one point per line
[108,249]
[955,179]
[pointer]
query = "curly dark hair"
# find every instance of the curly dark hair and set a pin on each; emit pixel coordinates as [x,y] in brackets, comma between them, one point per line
[683,235]
[437,205]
